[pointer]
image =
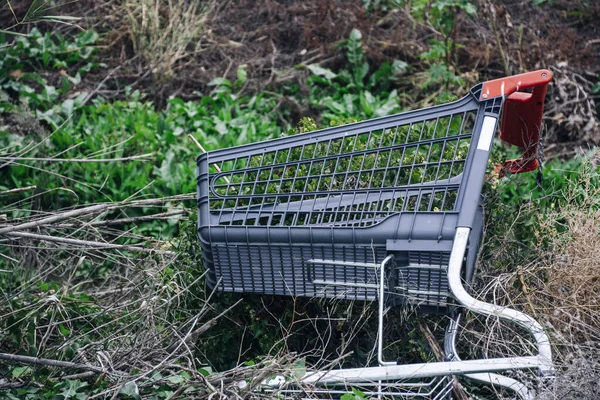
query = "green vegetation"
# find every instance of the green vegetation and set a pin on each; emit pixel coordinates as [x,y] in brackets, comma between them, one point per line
[115,281]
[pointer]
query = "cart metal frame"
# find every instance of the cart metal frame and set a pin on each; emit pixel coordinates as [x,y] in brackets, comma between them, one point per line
[297,216]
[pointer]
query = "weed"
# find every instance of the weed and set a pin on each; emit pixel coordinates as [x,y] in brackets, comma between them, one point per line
[164,33]
[441,57]
[356,92]
[37,11]
[382,5]
[23,60]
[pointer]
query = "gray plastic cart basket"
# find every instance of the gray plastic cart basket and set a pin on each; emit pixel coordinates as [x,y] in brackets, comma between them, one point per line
[386,210]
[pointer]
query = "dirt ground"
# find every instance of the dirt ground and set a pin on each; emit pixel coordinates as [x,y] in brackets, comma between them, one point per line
[271,37]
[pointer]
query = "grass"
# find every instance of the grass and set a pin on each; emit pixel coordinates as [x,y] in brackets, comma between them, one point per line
[164,33]
[115,272]
[125,292]
[539,256]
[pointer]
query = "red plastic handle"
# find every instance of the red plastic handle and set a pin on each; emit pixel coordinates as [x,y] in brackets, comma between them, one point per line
[521,116]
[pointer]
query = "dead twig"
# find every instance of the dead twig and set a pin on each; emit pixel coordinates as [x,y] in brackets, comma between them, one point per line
[88,243]
[79,160]
[165,215]
[458,390]
[56,217]
[55,363]
[197,143]
[18,190]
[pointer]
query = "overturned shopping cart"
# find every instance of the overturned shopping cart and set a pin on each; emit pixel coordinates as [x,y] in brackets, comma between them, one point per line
[387,210]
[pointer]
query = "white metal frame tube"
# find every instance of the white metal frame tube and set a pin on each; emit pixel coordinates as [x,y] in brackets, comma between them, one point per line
[460,294]
[423,370]
[381,304]
[542,361]
[485,377]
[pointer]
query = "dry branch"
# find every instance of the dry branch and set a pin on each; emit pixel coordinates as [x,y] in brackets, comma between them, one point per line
[87,243]
[121,221]
[79,160]
[17,190]
[55,363]
[458,389]
[56,217]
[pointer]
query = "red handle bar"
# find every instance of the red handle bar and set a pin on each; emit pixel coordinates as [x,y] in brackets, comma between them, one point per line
[522,114]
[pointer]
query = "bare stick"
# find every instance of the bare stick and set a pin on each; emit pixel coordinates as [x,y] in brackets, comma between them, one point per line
[92,209]
[57,217]
[81,375]
[53,363]
[458,390]
[80,160]
[18,190]
[87,243]
[153,217]
[192,335]
[203,150]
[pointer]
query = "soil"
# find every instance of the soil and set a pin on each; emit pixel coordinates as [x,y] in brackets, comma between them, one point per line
[271,37]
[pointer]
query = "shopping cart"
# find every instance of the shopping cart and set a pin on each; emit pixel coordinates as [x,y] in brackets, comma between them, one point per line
[387,210]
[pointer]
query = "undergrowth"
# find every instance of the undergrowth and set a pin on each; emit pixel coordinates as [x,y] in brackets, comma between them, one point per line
[116,289]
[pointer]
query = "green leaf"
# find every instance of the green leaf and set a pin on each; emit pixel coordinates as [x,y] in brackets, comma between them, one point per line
[21,372]
[390,106]
[399,68]
[218,81]
[87,38]
[356,53]
[299,368]
[220,126]
[131,389]
[70,388]
[355,395]
[470,9]
[320,71]
[176,379]
[242,75]
[63,330]
[355,35]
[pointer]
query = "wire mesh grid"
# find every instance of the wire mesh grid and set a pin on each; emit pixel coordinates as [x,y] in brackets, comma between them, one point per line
[353,180]
[267,211]
[436,388]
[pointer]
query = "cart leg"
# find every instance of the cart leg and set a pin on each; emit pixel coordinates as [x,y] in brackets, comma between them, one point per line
[508,314]
[382,311]
[488,378]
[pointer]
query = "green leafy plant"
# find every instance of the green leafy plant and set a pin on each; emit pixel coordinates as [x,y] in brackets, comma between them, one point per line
[23,60]
[441,56]
[355,92]
[355,395]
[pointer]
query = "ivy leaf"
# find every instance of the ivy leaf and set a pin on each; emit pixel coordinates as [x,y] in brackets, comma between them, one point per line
[320,71]
[71,387]
[20,372]
[299,368]
[131,389]
[176,379]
